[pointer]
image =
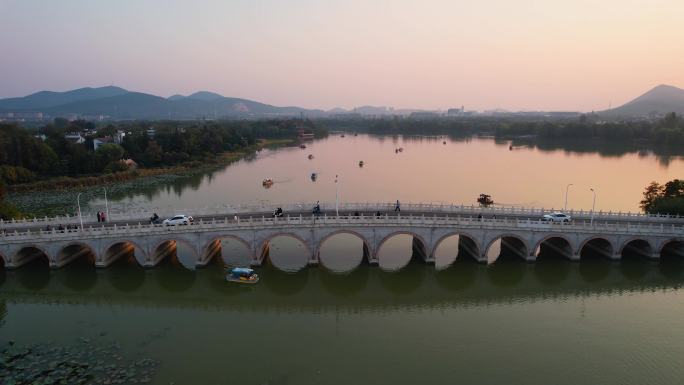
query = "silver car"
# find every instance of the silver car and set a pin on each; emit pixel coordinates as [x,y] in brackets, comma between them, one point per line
[557,217]
[178,220]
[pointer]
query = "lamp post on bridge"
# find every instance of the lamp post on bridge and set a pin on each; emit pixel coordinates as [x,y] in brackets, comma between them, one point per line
[78,202]
[593,206]
[337,198]
[107,204]
[565,208]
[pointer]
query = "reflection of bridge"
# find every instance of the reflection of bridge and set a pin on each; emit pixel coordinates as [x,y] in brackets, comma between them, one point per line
[515,232]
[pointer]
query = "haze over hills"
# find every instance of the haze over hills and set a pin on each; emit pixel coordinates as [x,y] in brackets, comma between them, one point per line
[658,101]
[118,103]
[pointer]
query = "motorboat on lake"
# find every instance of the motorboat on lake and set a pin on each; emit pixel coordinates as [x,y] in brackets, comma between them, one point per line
[242,275]
[310,156]
[361,163]
[267,183]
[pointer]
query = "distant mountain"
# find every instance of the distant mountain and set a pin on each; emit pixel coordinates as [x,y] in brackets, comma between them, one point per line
[118,103]
[45,99]
[205,95]
[658,101]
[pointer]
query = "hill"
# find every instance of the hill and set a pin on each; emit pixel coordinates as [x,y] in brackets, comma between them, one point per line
[658,101]
[45,99]
[118,103]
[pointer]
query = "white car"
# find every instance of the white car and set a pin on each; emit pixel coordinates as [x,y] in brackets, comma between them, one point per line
[556,217]
[178,220]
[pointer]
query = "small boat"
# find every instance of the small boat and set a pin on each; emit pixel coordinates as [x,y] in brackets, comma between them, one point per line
[342,136]
[444,142]
[310,156]
[361,163]
[268,182]
[242,275]
[355,134]
[314,176]
[302,146]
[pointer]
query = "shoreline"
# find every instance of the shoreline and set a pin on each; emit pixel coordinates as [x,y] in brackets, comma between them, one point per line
[57,196]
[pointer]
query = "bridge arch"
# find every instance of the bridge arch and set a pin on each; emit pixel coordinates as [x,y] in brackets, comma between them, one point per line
[639,245]
[418,244]
[470,245]
[171,243]
[599,244]
[512,241]
[206,254]
[367,250]
[265,248]
[75,250]
[110,253]
[674,246]
[564,247]
[29,253]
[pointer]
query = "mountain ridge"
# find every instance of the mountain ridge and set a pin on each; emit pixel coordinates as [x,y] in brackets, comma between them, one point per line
[659,100]
[118,103]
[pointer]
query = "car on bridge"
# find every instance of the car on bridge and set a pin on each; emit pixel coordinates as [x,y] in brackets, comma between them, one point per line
[557,217]
[178,220]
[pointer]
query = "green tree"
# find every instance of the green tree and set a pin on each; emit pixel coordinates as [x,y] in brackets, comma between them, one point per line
[651,194]
[153,154]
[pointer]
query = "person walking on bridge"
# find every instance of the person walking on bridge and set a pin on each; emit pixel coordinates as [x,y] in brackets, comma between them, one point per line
[397,207]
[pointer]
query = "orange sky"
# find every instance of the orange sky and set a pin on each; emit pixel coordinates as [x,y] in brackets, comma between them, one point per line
[525,54]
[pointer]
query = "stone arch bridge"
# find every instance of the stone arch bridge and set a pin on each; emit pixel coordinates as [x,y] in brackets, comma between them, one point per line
[479,238]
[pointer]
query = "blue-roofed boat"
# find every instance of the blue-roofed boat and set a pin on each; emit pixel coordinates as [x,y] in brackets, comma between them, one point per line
[242,275]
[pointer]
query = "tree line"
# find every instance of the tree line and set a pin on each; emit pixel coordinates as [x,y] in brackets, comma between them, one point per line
[668,130]
[25,157]
[667,198]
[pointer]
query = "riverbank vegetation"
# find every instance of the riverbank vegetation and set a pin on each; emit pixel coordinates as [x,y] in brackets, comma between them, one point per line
[666,131]
[66,150]
[664,199]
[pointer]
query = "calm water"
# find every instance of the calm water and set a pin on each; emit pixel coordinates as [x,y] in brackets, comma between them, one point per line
[426,171]
[553,322]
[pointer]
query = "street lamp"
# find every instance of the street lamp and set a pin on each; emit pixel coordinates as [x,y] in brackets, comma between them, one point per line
[107,203]
[78,202]
[593,206]
[337,198]
[565,208]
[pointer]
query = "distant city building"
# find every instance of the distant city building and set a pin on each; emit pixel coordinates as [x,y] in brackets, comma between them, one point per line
[151,132]
[74,137]
[424,115]
[97,142]
[456,111]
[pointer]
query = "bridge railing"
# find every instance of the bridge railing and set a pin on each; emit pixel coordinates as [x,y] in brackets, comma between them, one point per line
[387,219]
[230,210]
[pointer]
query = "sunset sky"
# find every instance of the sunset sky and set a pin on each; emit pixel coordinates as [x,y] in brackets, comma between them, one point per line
[522,54]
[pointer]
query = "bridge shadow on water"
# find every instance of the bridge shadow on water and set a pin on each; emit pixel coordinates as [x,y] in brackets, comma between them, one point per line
[416,284]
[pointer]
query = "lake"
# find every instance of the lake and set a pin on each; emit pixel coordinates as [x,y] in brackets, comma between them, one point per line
[342,322]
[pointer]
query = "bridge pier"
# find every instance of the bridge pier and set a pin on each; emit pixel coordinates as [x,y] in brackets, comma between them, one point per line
[574,257]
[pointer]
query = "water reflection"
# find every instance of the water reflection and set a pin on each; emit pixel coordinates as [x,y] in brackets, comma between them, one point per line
[234,252]
[283,283]
[172,276]
[460,275]
[406,280]
[423,160]
[79,275]
[287,253]
[509,270]
[416,284]
[344,285]
[396,252]
[32,276]
[125,274]
[342,252]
